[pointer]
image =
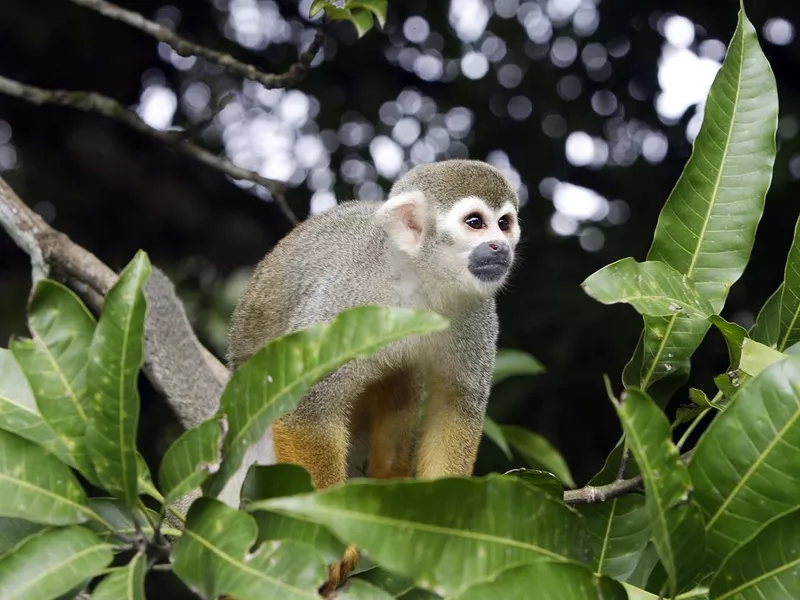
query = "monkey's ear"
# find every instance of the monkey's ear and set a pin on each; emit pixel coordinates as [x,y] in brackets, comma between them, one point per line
[403,218]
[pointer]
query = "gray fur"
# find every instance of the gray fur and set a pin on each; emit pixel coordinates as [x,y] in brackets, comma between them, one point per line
[344,258]
[450,180]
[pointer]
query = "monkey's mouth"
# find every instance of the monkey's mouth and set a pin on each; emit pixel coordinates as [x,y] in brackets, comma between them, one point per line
[490,271]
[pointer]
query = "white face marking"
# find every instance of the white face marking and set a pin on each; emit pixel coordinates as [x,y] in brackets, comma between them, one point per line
[466,238]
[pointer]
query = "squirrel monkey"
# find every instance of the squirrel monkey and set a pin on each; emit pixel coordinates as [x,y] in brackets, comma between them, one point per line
[444,240]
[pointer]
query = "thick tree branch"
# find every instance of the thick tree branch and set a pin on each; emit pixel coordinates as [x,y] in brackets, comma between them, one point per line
[108,107]
[184,47]
[593,494]
[188,374]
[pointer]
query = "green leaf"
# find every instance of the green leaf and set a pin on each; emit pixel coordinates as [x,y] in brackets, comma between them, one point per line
[445,533]
[51,563]
[542,480]
[744,467]
[675,520]
[376,7]
[552,581]
[191,459]
[274,379]
[398,586]
[765,567]
[116,516]
[508,363]
[126,583]
[757,357]
[790,296]
[735,336]
[316,7]
[213,557]
[492,431]
[276,481]
[359,589]
[767,328]
[115,358]
[54,362]
[653,288]
[538,452]
[707,226]
[361,18]
[36,486]
[19,413]
[13,531]
[619,532]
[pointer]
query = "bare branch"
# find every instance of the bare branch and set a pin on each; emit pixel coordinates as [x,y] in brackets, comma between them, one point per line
[108,107]
[184,47]
[593,494]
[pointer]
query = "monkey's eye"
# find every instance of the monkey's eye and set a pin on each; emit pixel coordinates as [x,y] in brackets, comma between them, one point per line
[474,221]
[504,223]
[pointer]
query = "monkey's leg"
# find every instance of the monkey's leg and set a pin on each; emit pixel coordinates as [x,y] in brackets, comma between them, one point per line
[451,431]
[320,448]
[393,405]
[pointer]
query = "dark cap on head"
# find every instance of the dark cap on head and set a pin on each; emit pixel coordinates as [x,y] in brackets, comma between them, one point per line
[450,180]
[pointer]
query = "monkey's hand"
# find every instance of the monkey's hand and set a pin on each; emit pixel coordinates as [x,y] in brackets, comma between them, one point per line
[338,571]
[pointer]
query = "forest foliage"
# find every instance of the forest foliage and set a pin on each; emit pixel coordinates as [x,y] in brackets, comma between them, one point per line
[81,508]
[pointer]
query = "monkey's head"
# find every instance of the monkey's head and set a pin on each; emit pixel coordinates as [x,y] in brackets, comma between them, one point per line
[456,220]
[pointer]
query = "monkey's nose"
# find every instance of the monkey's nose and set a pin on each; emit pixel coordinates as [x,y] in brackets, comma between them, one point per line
[490,261]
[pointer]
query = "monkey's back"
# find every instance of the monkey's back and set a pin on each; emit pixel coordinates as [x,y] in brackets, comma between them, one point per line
[330,262]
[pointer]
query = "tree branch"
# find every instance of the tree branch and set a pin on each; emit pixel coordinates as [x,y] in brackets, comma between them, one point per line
[593,494]
[108,107]
[188,374]
[184,47]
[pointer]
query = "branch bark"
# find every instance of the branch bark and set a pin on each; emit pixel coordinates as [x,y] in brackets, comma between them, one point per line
[593,494]
[108,107]
[184,47]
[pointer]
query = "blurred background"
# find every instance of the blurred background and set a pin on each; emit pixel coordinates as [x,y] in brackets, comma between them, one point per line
[590,106]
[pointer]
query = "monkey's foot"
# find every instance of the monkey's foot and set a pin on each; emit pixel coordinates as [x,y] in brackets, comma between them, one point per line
[339,571]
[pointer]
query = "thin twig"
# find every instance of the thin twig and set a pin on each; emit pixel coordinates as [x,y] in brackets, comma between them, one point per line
[184,47]
[593,494]
[108,107]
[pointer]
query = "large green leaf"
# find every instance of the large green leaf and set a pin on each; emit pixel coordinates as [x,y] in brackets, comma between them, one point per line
[191,459]
[756,357]
[51,563]
[445,533]
[765,567]
[675,520]
[744,467]
[274,379]
[36,486]
[399,586]
[707,226]
[115,358]
[538,452]
[653,288]
[13,531]
[19,413]
[767,328]
[126,583]
[790,296]
[214,557]
[552,581]
[276,481]
[359,589]
[619,531]
[55,361]
[508,363]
